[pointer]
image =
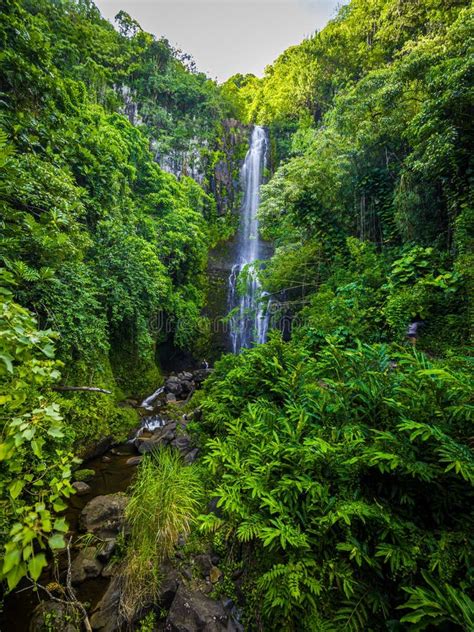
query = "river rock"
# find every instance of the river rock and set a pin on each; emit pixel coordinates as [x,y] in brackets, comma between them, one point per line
[187,386]
[192,611]
[134,460]
[51,615]
[191,456]
[182,443]
[171,398]
[173,385]
[185,376]
[106,614]
[168,586]
[81,488]
[201,374]
[104,552]
[104,516]
[85,565]
[161,436]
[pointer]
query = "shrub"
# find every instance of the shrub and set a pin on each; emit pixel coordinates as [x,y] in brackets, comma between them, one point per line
[164,503]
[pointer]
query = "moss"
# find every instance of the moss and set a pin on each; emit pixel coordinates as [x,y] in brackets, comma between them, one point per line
[83,475]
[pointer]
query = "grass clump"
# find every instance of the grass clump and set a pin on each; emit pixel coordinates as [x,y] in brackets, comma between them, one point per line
[164,503]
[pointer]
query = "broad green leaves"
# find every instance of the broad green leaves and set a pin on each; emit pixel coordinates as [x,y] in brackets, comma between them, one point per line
[349,471]
[35,464]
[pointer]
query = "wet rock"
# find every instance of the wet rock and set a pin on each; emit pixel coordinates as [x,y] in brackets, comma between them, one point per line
[171,398]
[81,488]
[204,564]
[192,611]
[173,385]
[207,588]
[106,614]
[187,386]
[191,456]
[109,569]
[161,436]
[84,474]
[85,565]
[106,459]
[201,374]
[187,573]
[185,376]
[182,443]
[51,615]
[99,448]
[134,460]
[105,551]
[169,586]
[104,516]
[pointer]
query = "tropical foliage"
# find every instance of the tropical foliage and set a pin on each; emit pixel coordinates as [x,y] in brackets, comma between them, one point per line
[347,472]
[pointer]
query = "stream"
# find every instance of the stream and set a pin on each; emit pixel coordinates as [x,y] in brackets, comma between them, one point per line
[250,324]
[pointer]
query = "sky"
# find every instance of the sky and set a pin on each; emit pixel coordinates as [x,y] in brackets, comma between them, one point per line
[228,36]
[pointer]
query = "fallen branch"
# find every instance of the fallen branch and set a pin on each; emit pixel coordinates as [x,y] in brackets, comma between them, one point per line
[92,389]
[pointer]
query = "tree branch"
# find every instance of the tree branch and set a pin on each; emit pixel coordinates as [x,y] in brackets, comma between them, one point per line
[91,389]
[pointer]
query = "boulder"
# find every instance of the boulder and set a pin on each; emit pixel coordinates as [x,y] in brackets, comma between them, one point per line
[84,474]
[51,615]
[187,386]
[171,398]
[185,376]
[104,516]
[161,436]
[105,550]
[173,385]
[191,456]
[182,443]
[85,565]
[168,586]
[106,614]
[204,563]
[201,374]
[81,488]
[192,611]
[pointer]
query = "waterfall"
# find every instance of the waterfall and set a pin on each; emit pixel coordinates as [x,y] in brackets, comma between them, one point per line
[249,322]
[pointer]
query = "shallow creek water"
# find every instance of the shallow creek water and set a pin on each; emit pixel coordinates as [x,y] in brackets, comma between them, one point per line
[112,474]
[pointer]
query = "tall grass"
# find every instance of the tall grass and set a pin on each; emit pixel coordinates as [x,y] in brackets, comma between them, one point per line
[164,503]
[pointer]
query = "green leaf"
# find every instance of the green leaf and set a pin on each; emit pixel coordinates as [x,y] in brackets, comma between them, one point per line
[7,360]
[15,488]
[56,541]
[36,565]
[11,559]
[60,524]
[14,576]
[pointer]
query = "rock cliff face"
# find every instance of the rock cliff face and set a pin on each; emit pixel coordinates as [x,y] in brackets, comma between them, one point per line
[214,165]
[225,176]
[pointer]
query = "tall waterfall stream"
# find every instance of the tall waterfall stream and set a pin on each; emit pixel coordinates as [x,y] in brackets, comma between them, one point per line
[250,317]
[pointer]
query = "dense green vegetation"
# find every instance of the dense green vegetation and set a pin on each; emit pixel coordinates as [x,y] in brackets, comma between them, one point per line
[339,455]
[98,242]
[344,456]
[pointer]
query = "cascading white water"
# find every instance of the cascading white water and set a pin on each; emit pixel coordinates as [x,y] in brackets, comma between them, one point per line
[250,320]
